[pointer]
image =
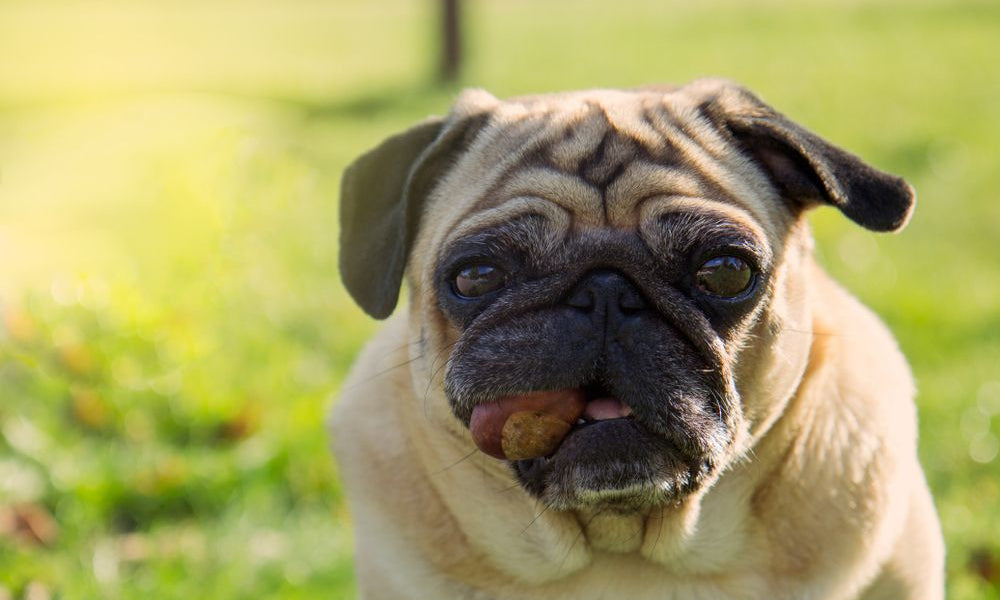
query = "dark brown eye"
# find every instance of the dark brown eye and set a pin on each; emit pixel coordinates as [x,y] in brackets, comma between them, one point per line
[478,280]
[724,276]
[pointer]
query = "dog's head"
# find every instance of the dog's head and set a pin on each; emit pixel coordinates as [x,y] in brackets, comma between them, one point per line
[645,248]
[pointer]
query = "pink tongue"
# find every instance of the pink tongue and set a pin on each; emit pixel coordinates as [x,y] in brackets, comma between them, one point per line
[600,409]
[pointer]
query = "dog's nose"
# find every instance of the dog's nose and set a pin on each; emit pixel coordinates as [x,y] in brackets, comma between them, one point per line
[606,293]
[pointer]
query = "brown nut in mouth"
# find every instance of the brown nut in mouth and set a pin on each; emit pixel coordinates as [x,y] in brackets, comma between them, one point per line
[534,424]
[526,425]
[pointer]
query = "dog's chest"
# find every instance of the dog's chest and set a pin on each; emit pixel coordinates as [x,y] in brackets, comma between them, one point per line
[612,576]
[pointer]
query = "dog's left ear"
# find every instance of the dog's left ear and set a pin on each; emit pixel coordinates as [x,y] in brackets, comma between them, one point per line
[806,168]
[382,197]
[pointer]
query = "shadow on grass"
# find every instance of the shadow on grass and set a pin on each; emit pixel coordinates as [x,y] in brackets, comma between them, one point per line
[371,104]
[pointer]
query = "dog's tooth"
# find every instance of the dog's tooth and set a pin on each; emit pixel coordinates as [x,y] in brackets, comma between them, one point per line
[580,421]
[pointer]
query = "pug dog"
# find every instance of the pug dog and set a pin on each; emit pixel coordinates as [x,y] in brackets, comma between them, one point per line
[621,372]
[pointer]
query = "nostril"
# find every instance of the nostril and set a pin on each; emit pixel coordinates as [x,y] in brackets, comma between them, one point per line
[609,289]
[582,298]
[631,302]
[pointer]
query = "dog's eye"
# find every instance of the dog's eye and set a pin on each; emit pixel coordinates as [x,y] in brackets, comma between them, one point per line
[724,276]
[478,280]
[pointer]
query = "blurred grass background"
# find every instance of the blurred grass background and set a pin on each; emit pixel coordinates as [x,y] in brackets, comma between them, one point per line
[172,327]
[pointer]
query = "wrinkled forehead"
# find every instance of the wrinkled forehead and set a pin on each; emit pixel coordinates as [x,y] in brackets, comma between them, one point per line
[602,158]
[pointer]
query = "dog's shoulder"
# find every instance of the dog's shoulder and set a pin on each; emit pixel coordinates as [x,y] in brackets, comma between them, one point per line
[860,348]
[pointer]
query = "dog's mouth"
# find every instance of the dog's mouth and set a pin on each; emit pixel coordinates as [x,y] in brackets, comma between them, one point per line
[601,408]
[601,405]
[534,424]
[607,457]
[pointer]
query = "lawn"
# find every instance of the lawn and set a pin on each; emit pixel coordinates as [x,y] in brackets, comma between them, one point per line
[172,327]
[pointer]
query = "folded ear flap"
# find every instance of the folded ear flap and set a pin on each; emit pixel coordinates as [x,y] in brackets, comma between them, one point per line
[374,228]
[807,169]
[382,196]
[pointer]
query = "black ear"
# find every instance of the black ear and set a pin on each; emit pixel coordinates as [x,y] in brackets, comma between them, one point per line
[807,169]
[382,196]
[374,231]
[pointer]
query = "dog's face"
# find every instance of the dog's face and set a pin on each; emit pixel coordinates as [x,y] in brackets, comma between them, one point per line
[644,317]
[644,247]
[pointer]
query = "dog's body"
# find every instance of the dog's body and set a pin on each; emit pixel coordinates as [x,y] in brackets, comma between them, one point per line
[651,250]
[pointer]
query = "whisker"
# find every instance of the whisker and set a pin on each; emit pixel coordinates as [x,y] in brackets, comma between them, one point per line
[384,372]
[812,333]
[659,532]
[508,488]
[433,376]
[457,462]
[576,538]
[532,522]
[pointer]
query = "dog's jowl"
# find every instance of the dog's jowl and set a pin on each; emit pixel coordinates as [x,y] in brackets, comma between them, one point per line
[621,373]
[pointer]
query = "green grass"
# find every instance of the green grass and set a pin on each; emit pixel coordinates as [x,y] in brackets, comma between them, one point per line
[171,323]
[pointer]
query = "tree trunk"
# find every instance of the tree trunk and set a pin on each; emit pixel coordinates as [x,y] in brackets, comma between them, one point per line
[451,49]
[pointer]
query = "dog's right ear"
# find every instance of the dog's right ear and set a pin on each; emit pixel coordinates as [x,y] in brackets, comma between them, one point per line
[375,211]
[382,196]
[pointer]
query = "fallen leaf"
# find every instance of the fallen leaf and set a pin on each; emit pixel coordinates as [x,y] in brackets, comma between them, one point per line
[28,523]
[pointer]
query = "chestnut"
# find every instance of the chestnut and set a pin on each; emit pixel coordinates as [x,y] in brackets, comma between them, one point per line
[528,425]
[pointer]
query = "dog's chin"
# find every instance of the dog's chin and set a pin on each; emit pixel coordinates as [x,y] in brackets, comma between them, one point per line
[613,464]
